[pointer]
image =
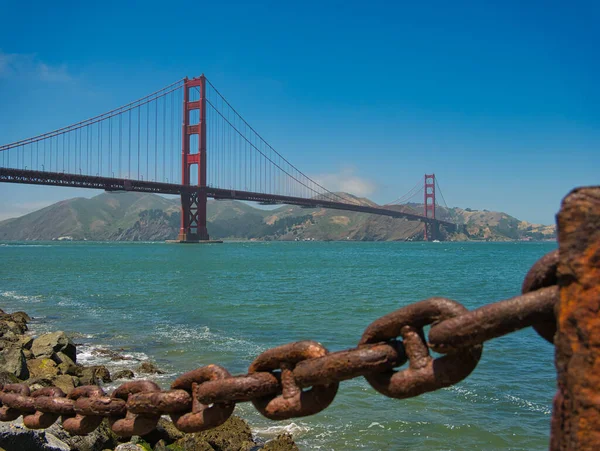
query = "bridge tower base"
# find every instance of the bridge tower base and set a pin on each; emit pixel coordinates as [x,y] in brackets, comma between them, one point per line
[193,202]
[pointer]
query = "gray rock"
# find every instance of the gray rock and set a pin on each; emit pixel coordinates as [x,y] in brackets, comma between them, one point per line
[48,344]
[233,435]
[129,447]
[8,378]
[25,341]
[161,445]
[92,375]
[12,360]
[165,431]
[123,374]
[15,436]
[42,367]
[61,357]
[149,368]
[66,383]
[98,440]
[20,317]
[35,383]
[283,442]
[16,325]
[7,332]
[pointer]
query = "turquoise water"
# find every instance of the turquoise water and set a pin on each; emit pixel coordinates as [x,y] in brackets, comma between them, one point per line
[186,306]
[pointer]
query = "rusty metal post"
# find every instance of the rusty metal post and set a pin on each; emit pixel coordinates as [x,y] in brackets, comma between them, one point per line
[576,411]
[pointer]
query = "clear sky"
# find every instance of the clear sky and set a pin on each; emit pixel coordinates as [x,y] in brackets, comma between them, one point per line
[499,98]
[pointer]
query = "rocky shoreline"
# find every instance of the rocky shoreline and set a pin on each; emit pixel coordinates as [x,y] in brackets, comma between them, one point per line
[51,360]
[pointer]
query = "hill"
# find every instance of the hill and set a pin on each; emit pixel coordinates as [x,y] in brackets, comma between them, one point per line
[147,217]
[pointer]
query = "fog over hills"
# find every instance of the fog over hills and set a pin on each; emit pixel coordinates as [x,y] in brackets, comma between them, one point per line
[148,217]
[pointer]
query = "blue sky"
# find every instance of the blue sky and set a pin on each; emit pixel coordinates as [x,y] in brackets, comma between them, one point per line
[499,99]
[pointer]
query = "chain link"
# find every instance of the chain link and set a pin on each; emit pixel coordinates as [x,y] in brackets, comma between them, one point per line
[278,379]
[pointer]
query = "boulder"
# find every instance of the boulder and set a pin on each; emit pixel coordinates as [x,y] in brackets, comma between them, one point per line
[233,435]
[165,431]
[92,375]
[15,436]
[161,445]
[65,364]
[71,370]
[66,383]
[99,439]
[149,368]
[283,442]
[20,317]
[9,330]
[191,442]
[12,360]
[42,368]
[25,341]
[136,440]
[130,447]
[48,344]
[123,374]
[61,357]
[8,378]
[109,353]
[35,383]
[28,354]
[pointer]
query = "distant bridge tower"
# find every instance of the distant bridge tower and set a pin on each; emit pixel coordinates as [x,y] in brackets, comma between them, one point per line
[193,202]
[430,229]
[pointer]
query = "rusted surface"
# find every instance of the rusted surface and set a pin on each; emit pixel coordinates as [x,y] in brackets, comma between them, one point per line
[543,274]
[124,422]
[424,373]
[293,402]
[170,401]
[576,416]
[79,424]
[239,388]
[494,320]
[8,413]
[38,419]
[202,416]
[342,365]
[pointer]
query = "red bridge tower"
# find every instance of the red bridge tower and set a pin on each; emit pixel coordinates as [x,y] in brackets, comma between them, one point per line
[430,232]
[193,202]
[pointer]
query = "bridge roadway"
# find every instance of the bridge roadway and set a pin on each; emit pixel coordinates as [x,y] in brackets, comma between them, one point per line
[30,177]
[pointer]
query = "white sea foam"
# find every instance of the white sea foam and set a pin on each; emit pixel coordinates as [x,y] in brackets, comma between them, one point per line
[474,396]
[532,406]
[179,333]
[22,298]
[296,430]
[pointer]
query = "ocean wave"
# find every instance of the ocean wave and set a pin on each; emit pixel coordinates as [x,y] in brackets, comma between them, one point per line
[27,245]
[529,405]
[22,297]
[474,396]
[179,333]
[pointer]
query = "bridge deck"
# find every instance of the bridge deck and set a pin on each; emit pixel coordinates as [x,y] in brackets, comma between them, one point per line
[30,177]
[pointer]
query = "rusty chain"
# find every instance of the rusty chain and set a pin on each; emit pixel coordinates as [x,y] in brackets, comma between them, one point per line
[277,379]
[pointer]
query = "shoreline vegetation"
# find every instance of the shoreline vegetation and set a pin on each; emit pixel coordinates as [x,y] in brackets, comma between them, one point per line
[149,217]
[50,359]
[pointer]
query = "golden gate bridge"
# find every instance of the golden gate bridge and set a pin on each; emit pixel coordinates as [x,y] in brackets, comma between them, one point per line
[187,139]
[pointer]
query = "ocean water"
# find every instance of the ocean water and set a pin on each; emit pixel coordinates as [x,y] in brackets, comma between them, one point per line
[187,306]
